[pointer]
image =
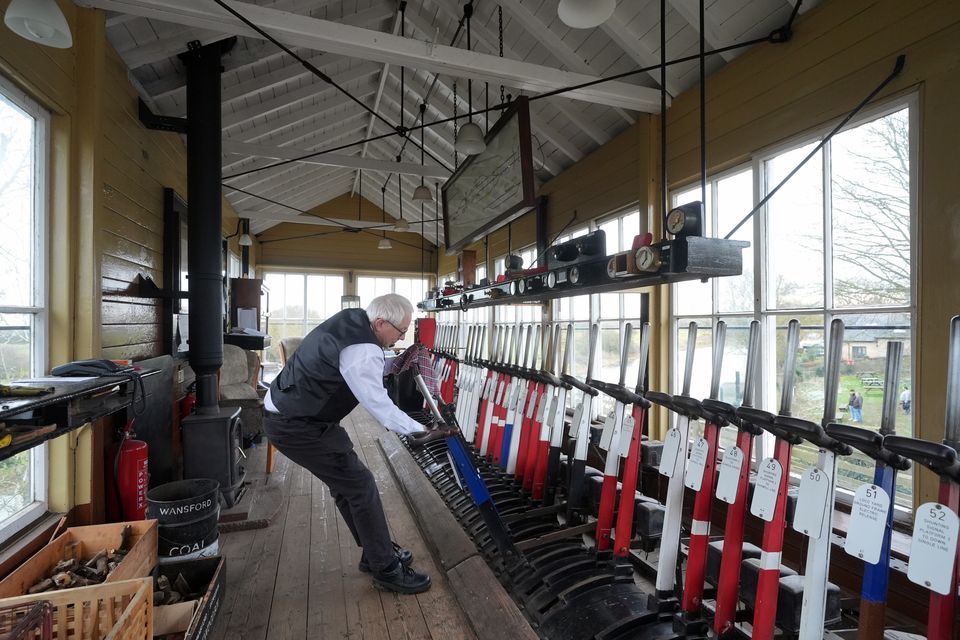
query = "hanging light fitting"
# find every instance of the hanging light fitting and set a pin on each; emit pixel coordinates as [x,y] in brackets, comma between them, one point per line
[585,14]
[39,21]
[470,138]
[422,192]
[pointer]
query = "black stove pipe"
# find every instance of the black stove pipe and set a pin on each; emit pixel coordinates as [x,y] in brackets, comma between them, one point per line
[205,219]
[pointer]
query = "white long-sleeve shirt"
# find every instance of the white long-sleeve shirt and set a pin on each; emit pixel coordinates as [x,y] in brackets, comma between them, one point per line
[361,366]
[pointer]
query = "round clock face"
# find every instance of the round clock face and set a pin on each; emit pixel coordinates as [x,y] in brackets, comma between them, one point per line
[676,221]
[551,280]
[647,259]
[522,286]
[515,288]
[574,275]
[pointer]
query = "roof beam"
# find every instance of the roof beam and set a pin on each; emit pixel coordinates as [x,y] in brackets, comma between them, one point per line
[332,159]
[554,44]
[634,47]
[263,53]
[324,35]
[376,104]
[314,89]
[715,38]
[300,117]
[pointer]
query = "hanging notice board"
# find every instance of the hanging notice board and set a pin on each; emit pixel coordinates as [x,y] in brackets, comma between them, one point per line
[493,187]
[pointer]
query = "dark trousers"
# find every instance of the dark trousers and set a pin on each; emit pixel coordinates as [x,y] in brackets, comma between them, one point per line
[325,450]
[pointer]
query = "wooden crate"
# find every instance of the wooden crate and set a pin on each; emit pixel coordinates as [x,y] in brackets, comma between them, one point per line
[109,611]
[85,542]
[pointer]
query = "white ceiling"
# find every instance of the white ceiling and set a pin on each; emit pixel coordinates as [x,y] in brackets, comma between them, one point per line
[274,108]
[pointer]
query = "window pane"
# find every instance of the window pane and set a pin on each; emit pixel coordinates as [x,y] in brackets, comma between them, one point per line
[609,305]
[733,370]
[366,290]
[17,162]
[608,363]
[632,306]
[862,371]
[871,213]
[274,282]
[808,381]
[334,291]
[293,309]
[735,200]
[795,231]
[629,229]
[700,381]
[694,297]
[16,486]
[611,230]
[16,346]
[316,298]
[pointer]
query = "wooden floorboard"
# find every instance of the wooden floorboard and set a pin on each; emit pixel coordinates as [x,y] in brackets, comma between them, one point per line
[298,578]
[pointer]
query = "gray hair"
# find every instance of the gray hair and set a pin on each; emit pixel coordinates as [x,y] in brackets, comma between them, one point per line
[392,307]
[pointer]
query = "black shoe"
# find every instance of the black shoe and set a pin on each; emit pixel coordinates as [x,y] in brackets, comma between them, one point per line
[401,579]
[405,556]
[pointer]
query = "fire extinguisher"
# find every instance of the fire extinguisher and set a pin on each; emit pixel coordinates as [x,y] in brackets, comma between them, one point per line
[189,401]
[127,477]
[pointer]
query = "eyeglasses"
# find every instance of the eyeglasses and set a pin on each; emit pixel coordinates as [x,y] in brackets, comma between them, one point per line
[402,332]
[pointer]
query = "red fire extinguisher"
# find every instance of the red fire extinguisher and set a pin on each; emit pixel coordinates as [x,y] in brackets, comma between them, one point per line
[127,478]
[189,401]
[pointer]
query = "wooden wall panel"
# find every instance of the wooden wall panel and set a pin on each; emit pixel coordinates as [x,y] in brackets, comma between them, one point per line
[137,164]
[293,245]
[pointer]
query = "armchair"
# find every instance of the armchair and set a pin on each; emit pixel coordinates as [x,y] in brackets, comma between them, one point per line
[239,387]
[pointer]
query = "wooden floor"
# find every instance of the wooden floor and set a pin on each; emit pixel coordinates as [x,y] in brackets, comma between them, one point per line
[298,578]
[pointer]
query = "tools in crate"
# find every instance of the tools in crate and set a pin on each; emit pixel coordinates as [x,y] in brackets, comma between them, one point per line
[72,572]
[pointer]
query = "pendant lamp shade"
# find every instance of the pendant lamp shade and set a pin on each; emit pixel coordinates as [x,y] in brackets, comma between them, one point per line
[585,14]
[422,193]
[401,225]
[384,244]
[245,240]
[470,140]
[39,21]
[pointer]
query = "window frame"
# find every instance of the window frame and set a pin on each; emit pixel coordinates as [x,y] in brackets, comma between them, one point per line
[763,310]
[40,285]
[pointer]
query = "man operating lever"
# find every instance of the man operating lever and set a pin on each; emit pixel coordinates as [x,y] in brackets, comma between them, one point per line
[337,366]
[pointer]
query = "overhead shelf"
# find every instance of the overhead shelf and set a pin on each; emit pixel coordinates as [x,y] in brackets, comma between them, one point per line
[676,260]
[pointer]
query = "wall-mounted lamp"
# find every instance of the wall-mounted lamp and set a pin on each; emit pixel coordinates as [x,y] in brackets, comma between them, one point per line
[39,21]
[585,14]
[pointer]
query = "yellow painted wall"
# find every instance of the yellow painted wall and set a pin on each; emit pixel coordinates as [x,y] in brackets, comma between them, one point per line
[106,177]
[292,245]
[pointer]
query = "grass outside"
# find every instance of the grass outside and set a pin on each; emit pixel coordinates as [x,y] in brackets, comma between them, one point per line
[856,469]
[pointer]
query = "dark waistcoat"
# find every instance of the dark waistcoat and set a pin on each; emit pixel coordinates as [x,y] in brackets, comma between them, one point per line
[310,384]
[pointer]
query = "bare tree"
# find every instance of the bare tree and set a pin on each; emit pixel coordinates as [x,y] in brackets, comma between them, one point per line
[871,213]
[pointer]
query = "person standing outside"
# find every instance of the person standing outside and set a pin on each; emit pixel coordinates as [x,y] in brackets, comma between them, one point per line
[906,399]
[856,406]
[338,365]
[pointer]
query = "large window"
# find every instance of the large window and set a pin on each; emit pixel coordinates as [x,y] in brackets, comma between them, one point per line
[836,243]
[413,289]
[23,320]
[298,303]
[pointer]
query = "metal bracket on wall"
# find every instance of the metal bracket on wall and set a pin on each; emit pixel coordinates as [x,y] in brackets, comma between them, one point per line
[160,123]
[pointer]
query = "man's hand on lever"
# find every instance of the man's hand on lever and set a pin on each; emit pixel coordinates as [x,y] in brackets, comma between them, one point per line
[420,438]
